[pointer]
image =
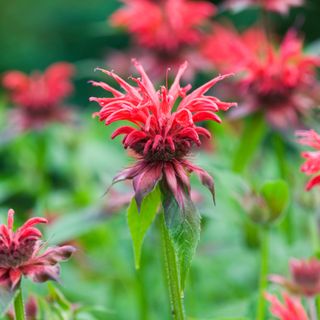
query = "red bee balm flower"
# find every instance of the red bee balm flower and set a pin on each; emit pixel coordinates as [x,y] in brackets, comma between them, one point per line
[281,6]
[39,96]
[291,309]
[167,24]
[305,276]
[19,254]
[281,82]
[164,131]
[312,164]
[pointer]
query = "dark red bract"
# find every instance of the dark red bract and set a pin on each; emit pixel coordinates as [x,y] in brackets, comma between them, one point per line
[164,129]
[20,254]
[39,97]
[305,277]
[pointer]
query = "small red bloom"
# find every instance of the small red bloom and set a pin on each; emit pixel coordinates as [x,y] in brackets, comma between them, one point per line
[312,165]
[164,129]
[280,81]
[39,97]
[20,254]
[164,24]
[305,277]
[281,6]
[290,309]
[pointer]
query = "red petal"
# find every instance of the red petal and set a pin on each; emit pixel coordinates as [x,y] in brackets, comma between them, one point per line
[206,115]
[134,137]
[122,130]
[312,183]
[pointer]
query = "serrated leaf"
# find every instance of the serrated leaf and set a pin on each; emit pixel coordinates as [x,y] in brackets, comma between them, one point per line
[184,230]
[139,222]
[276,195]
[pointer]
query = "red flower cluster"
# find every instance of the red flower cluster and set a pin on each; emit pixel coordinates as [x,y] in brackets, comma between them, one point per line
[312,165]
[280,81]
[291,309]
[164,129]
[305,277]
[281,6]
[39,96]
[19,254]
[163,24]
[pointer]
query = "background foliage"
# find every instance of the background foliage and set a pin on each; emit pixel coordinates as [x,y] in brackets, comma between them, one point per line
[63,172]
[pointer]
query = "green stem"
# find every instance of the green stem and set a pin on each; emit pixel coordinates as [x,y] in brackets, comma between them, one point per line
[251,138]
[313,225]
[18,306]
[287,224]
[263,272]
[142,296]
[172,273]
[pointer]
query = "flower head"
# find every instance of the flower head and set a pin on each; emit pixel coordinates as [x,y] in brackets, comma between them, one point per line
[281,6]
[305,277]
[167,25]
[290,309]
[39,97]
[312,165]
[20,254]
[277,80]
[163,132]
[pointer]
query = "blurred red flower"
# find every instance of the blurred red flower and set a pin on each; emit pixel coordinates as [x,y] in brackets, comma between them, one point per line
[39,97]
[163,24]
[290,309]
[19,254]
[281,6]
[279,81]
[305,277]
[164,131]
[312,165]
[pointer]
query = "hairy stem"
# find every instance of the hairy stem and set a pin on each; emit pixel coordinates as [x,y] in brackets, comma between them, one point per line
[18,306]
[172,273]
[263,273]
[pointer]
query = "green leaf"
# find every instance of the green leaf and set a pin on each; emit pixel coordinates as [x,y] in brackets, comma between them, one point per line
[184,230]
[276,195]
[139,222]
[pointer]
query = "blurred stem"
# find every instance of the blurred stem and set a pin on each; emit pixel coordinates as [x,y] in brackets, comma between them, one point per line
[172,274]
[313,225]
[18,305]
[264,267]
[312,308]
[42,150]
[252,135]
[280,151]
[142,297]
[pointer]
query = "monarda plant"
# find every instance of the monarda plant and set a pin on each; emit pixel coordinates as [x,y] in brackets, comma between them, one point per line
[163,128]
[22,254]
